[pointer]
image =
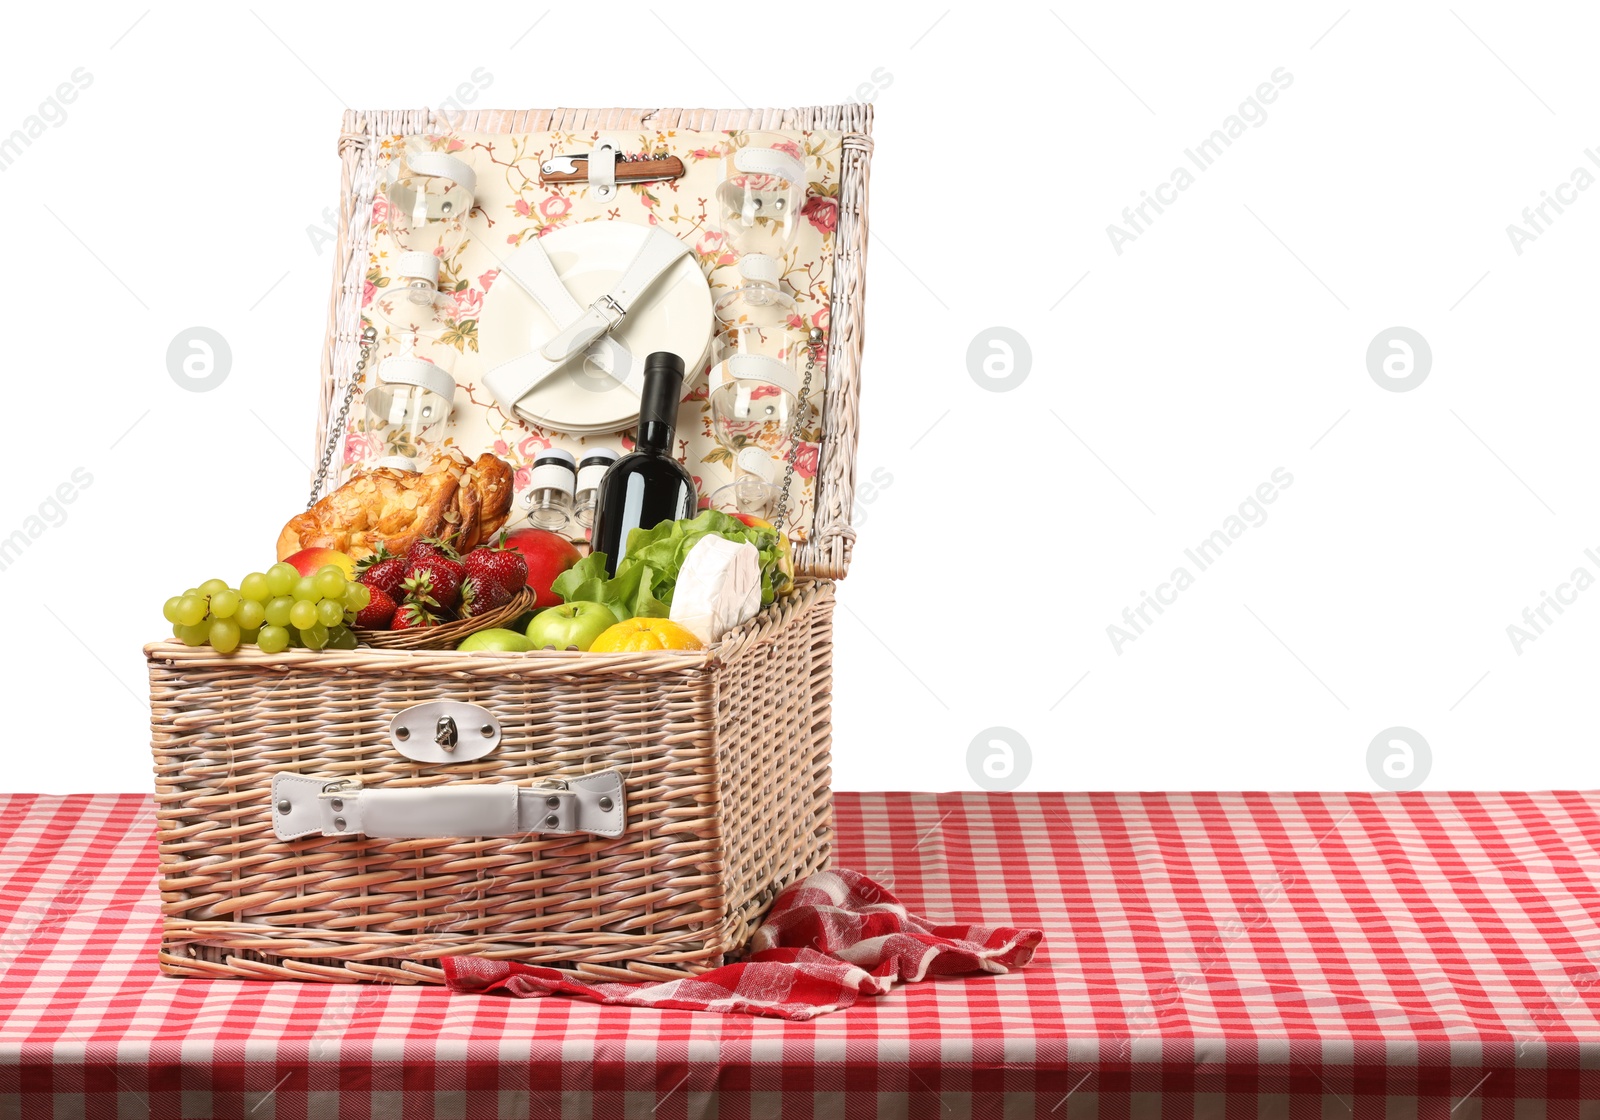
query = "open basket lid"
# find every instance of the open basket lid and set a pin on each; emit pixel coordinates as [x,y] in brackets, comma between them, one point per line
[826,551]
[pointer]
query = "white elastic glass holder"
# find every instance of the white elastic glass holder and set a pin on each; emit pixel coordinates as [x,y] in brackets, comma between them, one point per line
[418,372]
[418,270]
[764,187]
[752,490]
[412,395]
[761,368]
[430,187]
[753,403]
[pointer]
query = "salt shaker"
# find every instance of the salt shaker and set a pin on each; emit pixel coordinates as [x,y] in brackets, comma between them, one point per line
[591,468]
[555,474]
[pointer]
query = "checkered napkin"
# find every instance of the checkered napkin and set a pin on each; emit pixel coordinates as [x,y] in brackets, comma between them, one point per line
[828,939]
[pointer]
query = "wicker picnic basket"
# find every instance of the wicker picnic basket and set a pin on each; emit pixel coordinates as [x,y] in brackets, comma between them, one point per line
[719,759]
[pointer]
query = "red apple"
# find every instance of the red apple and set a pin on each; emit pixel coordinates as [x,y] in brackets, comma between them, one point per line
[308,560]
[548,555]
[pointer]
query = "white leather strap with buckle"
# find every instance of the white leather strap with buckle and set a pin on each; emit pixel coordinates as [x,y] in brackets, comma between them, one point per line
[585,333]
[303,806]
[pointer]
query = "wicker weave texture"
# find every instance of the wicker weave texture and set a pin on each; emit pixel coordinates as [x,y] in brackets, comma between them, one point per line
[725,755]
[826,552]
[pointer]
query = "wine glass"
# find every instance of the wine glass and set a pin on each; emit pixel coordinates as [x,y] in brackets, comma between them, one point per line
[430,194]
[410,404]
[754,385]
[761,193]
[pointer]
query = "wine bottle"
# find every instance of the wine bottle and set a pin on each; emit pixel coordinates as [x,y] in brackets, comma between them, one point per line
[646,486]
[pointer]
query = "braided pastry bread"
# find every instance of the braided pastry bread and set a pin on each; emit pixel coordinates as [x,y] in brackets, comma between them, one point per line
[463,503]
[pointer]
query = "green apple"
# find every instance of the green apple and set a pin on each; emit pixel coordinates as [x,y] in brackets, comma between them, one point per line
[499,641]
[570,626]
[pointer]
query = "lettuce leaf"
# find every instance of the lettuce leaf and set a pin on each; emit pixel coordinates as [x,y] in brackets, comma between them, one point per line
[648,574]
[627,595]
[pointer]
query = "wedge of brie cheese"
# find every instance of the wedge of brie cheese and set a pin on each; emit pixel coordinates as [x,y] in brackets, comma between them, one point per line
[719,586]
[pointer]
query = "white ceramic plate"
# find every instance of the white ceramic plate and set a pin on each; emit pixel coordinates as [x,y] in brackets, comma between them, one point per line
[675,314]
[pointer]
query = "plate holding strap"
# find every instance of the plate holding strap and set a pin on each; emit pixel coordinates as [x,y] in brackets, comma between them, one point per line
[585,332]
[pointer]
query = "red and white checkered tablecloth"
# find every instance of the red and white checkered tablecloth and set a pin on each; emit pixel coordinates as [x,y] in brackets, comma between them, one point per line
[1302,955]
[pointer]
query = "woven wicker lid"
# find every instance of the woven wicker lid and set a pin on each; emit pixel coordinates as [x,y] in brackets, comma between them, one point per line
[826,551]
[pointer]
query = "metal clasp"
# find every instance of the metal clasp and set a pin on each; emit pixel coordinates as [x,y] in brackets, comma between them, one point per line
[444,733]
[613,311]
[440,731]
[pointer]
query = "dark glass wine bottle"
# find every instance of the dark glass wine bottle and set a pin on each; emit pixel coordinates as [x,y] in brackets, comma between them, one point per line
[646,486]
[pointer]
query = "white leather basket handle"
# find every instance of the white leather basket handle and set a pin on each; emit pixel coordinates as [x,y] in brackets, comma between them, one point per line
[303,806]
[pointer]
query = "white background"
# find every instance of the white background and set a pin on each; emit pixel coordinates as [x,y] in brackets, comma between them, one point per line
[1228,340]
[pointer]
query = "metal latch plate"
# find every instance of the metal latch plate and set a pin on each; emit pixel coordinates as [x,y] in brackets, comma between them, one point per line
[442,731]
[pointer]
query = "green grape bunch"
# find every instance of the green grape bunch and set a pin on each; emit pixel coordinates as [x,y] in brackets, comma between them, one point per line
[271,610]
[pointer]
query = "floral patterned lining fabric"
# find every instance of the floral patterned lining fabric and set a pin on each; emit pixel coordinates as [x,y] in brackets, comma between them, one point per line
[511,206]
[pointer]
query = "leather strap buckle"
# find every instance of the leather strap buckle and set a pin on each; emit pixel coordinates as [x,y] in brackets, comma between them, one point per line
[613,312]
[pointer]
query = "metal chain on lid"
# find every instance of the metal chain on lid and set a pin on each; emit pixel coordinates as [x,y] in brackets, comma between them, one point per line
[369,342]
[813,343]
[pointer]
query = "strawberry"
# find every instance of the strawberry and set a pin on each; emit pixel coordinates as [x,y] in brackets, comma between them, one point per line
[430,546]
[419,589]
[479,596]
[414,616]
[505,567]
[382,572]
[379,611]
[442,575]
